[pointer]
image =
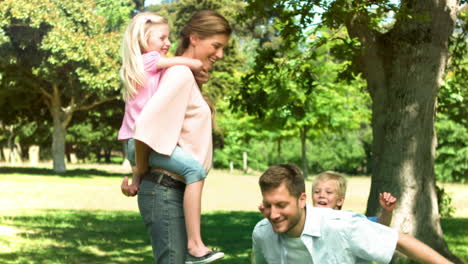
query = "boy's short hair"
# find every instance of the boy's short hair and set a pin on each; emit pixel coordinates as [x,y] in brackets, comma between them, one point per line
[290,174]
[335,176]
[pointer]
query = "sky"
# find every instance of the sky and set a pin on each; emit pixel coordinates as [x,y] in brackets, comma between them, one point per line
[152,2]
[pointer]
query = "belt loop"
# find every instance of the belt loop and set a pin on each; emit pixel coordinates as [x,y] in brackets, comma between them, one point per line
[160,177]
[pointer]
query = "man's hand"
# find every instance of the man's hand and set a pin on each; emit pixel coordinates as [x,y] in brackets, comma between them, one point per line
[387,201]
[129,190]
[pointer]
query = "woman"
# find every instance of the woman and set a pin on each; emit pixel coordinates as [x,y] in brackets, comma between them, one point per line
[179,115]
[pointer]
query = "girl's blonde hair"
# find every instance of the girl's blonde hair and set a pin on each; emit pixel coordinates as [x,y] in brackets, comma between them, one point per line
[135,42]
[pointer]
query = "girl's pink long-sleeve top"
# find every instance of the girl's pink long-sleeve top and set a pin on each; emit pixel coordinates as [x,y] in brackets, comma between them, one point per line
[177,114]
[134,106]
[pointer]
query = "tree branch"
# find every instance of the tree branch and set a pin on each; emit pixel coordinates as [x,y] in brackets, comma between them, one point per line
[94,104]
[370,61]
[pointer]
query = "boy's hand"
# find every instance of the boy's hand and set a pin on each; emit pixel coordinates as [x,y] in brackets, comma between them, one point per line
[387,201]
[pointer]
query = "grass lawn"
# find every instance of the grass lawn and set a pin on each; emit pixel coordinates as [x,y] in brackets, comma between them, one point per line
[102,237]
[81,216]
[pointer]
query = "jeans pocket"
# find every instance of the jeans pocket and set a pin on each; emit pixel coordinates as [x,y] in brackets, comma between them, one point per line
[146,204]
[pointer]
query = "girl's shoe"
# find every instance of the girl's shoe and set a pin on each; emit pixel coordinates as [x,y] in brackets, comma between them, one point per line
[208,258]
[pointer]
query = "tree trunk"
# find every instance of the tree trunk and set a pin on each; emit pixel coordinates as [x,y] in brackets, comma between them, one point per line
[58,143]
[61,118]
[303,132]
[278,151]
[98,155]
[107,155]
[11,145]
[403,69]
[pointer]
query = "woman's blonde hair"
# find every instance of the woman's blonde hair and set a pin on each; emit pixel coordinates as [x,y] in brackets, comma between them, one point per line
[135,42]
[204,24]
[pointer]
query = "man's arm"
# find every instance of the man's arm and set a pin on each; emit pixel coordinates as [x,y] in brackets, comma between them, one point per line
[417,250]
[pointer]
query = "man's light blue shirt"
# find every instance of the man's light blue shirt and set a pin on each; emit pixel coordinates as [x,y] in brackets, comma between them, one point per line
[330,236]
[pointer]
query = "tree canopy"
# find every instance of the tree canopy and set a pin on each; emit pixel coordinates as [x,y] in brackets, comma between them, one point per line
[66,54]
[401,49]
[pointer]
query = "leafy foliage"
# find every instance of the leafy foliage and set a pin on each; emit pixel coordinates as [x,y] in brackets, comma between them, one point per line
[452,126]
[446,208]
[63,56]
[298,90]
[452,152]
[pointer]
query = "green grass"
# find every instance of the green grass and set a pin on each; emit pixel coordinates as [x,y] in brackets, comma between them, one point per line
[81,217]
[69,236]
[87,236]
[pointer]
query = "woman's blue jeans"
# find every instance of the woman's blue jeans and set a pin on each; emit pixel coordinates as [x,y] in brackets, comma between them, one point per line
[161,207]
[162,211]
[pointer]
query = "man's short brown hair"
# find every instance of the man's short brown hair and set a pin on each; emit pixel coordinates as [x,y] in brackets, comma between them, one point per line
[290,174]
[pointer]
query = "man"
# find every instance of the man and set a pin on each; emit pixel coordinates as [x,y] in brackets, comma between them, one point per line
[295,233]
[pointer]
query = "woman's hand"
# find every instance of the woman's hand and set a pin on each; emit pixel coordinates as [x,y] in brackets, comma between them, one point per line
[201,76]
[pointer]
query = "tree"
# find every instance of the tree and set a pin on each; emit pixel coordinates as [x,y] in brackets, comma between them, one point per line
[64,54]
[95,132]
[299,91]
[403,63]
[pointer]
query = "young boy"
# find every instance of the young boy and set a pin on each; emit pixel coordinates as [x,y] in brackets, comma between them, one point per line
[329,190]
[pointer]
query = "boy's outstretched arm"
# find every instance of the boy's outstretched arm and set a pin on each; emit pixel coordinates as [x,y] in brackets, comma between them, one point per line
[418,251]
[387,202]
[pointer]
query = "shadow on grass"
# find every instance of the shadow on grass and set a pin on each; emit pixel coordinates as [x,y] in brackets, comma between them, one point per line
[67,236]
[103,237]
[82,173]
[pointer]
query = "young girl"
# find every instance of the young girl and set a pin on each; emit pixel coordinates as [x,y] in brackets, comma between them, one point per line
[329,190]
[145,44]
